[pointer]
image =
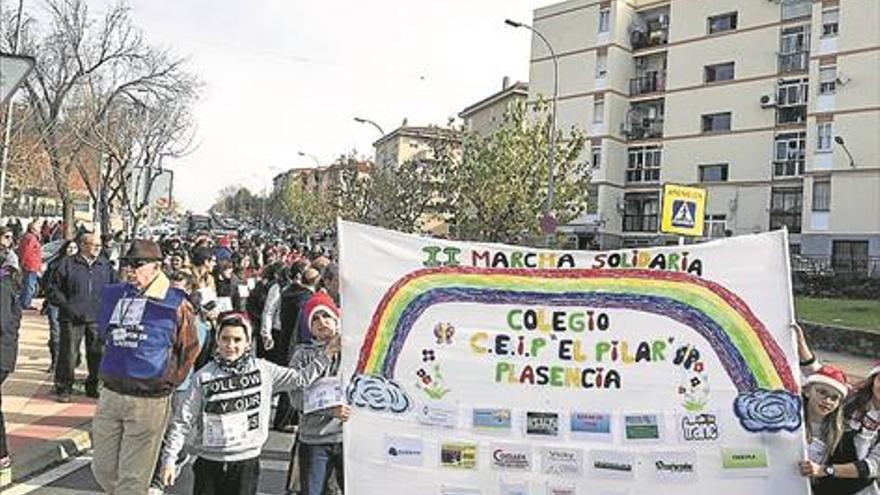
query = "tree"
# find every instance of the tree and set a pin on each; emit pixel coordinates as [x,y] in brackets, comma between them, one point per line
[84,66]
[496,188]
[239,202]
[300,202]
[401,197]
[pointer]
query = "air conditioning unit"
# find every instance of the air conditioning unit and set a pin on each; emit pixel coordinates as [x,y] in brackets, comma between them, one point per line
[768,101]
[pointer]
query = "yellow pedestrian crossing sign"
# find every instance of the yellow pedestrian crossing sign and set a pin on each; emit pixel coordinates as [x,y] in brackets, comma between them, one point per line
[683,210]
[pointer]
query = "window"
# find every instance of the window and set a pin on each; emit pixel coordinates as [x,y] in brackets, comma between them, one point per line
[596,156]
[785,209]
[849,256]
[723,22]
[789,153]
[598,111]
[604,20]
[791,101]
[827,80]
[792,92]
[718,72]
[713,173]
[601,65]
[830,22]
[822,195]
[716,122]
[644,164]
[641,212]
[715,226]
[794,49]
[824,134]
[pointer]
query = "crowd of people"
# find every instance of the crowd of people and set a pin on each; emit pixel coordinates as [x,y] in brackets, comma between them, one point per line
[189,342]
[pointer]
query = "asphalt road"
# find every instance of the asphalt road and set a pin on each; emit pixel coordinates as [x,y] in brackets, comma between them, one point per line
[75,476]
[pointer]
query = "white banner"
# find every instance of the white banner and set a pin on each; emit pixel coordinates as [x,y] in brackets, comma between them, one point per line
[492,369]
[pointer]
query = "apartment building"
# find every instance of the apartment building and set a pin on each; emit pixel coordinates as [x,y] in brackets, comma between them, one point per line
[411,142]
[772,106]
[487,115]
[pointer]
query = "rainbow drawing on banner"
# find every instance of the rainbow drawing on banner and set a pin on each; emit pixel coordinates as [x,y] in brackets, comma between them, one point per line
[768,397]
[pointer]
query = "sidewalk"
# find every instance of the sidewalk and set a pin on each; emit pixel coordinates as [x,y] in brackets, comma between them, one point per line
[42,432]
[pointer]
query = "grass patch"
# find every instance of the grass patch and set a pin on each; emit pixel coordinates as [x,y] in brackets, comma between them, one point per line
[853,313]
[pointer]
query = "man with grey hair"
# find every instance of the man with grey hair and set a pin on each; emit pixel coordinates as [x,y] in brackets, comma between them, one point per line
[75,287]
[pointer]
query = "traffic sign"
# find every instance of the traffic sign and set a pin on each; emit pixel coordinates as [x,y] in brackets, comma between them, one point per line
[13,70]
[683,210]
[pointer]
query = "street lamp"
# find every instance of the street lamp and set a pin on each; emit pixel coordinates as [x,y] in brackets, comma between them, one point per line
[548,223]
[361,120]
[839,140]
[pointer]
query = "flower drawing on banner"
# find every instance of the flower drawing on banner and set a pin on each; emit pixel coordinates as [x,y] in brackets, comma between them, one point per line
[694,380]
[432,384]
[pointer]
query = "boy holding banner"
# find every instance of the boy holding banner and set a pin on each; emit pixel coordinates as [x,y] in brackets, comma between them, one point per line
[320,430]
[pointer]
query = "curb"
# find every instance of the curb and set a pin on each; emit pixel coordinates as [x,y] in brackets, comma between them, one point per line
[47,454]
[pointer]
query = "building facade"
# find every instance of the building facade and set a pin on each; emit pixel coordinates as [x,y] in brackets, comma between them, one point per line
[772,106]
[488,115]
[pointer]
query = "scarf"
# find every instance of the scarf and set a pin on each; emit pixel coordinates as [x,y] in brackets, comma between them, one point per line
[234,367]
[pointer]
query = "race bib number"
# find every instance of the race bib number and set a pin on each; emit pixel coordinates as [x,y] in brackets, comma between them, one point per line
[128,311]
[324,393]
[228,429]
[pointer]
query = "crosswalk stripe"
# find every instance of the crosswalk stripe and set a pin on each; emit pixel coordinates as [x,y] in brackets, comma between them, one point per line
[48,477]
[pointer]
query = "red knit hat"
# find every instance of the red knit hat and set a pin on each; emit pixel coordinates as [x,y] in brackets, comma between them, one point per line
[320,301]
[829,375]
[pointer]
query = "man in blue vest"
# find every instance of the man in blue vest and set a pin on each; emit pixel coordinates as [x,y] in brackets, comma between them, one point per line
[150,343]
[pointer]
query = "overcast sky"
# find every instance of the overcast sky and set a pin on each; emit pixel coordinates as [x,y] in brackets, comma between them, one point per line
[283,76]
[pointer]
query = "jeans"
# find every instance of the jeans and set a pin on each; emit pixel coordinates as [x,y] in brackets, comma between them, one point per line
[28,289]
[226,478]
[71,337]
[316,461]
[54,332]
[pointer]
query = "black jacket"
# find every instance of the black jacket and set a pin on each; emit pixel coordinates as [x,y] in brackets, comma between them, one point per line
[228,287]
[293,297]
[10,319]
[75,287]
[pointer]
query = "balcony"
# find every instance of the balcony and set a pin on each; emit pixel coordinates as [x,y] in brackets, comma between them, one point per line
[646,129]
[788,168]
[650,29]
[650,82]
[791,115]
[798,61]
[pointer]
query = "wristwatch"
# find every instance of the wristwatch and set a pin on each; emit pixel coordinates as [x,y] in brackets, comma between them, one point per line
[829,470]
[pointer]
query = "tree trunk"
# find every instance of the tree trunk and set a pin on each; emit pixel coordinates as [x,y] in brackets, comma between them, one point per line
[104,212]
[68,216]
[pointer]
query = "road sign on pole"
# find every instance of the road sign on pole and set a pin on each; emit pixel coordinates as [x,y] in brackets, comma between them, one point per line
[684,210]
[13,70]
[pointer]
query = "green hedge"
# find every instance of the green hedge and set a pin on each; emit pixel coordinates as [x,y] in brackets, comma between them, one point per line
[836,286]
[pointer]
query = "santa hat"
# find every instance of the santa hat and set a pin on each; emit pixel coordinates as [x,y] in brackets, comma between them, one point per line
[320,301]
[829,375]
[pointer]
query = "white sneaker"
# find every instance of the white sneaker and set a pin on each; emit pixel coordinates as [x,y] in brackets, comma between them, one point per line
[155,491]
